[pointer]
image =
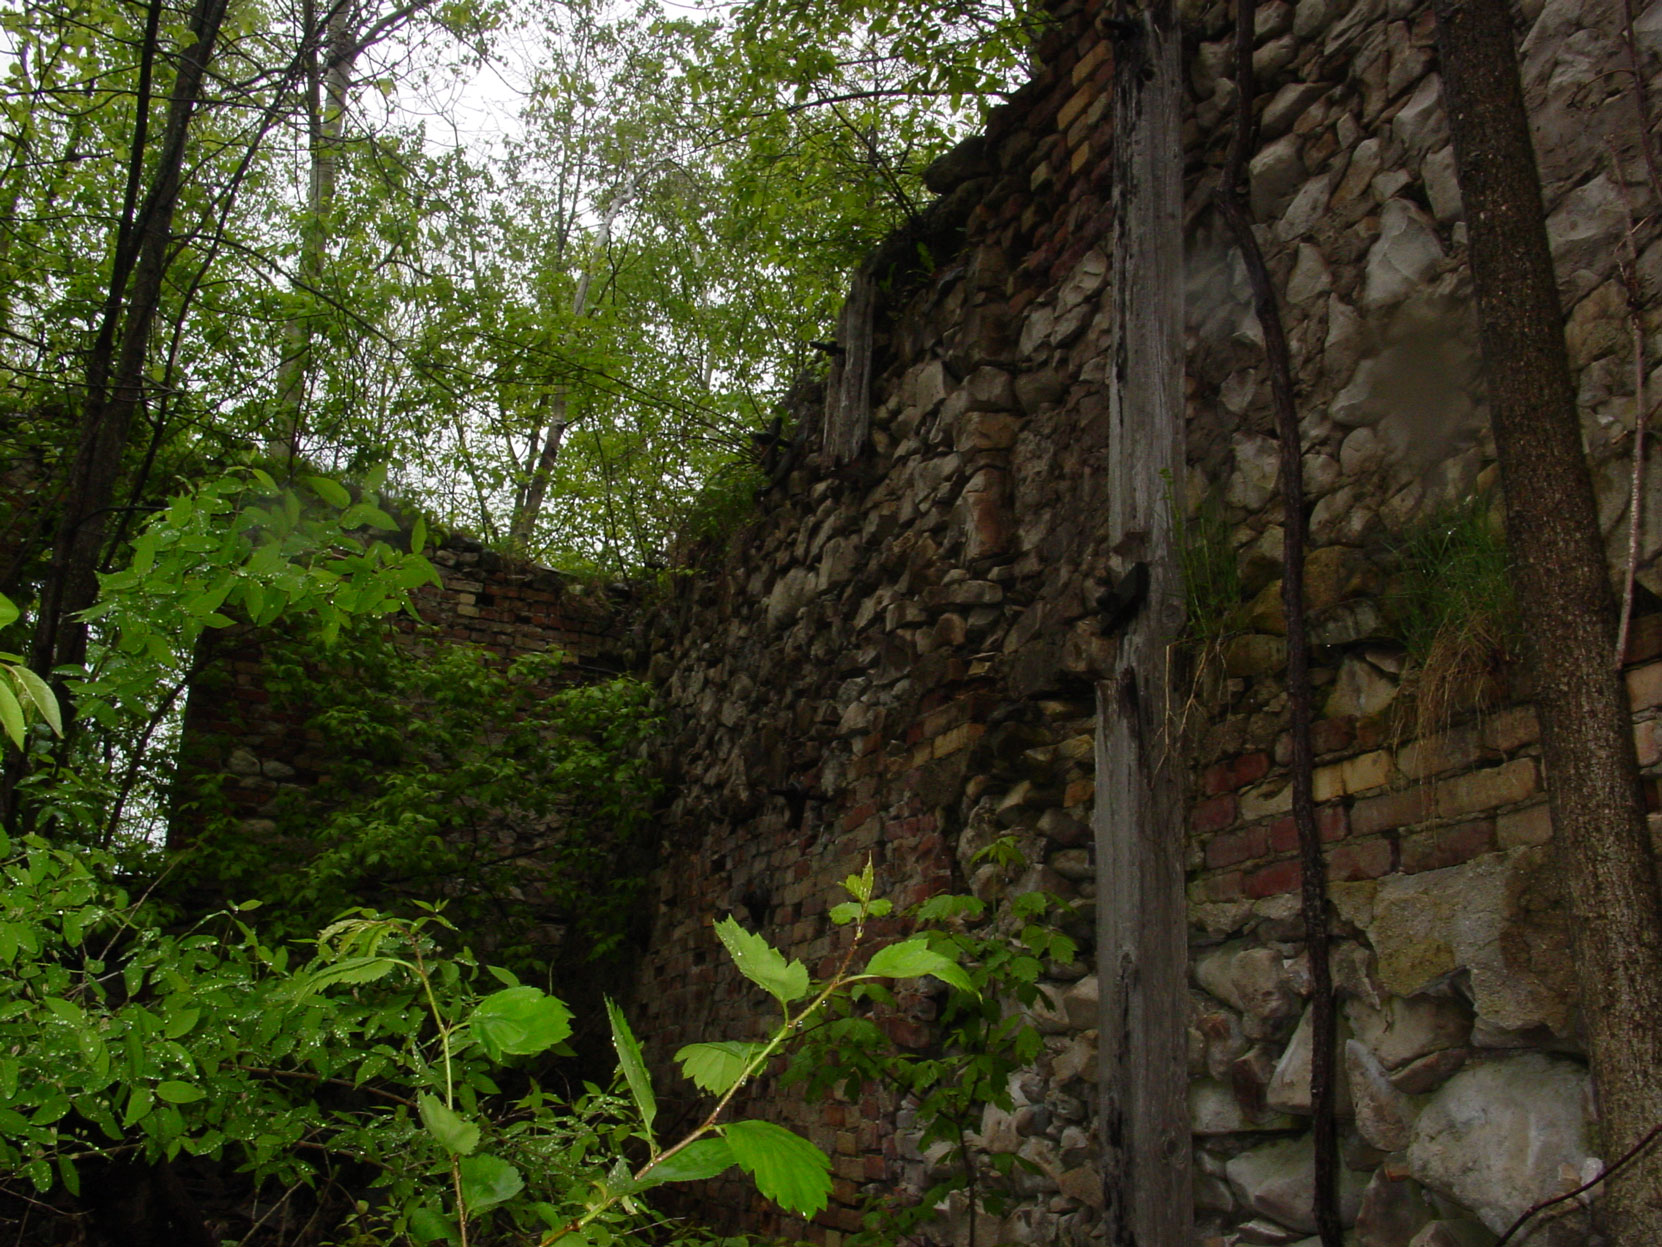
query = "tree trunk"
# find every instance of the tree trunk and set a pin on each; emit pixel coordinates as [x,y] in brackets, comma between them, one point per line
[328,87]
[115,370]
[524,524]
[1233,205]
[1563,590]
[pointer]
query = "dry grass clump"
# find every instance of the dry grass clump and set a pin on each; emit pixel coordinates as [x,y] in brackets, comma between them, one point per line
[1453,606]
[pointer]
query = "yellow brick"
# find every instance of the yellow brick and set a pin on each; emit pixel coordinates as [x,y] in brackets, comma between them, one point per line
[960,737]
[1370,770]
[1089,62]
[1644,686]
[1077,103]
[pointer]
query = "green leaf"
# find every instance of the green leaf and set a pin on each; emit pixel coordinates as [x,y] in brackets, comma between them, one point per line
[418,535]
[913,958]
[520,1021]
[698,1161]
[787,1168]
[139,1104]
[38,692]
[763,964]
[427,1226]
[454,1133]
[174,1092]
[332,492]
[845,913]
[180,1022]
[715,1067]
[11,715]
[8,611]
[488,1181]
[349,970]
[859,886]
[634,1068]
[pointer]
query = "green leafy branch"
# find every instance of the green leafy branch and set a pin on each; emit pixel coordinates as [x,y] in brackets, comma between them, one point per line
[787,1169]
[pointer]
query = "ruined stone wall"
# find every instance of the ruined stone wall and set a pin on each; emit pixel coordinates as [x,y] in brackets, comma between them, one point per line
[1461,1053]
[896,657]
[510,609]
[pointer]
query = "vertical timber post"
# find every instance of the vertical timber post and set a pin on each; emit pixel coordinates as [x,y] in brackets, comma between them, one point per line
[1142,923]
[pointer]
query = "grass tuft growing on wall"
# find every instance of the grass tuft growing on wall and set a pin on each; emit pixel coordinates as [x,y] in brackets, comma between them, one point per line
[1453,607]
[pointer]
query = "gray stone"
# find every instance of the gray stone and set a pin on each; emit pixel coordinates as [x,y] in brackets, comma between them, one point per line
[1358,17]
[1311,17]
[1276,172]
[1268,1233]
[1356,405]
[1421,125]
[1257,462]
[1277,1180]
[1343,344]
[1272,20]
[1430,1071]
[1269,60]
[1306,210]
[1405,1030]
[1289,1086]
[998,1130]
[1253,980]
[1086,280]
[1286,107]
[1403,257]
[1079,1003]
[925,387]
[1583,228]
[841,559]
[990,389]
[1473,917]
[1075,1059]
[1214,1110]
[1360,689]
[1460,1233]
[1393,1211]
[1504,1135]
[1442,187]
[1363,451]
[1383,1114]
[1310,278]
[1036,329]
[242,762]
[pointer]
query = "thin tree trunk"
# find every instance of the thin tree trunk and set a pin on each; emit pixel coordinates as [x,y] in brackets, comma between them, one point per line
[524,524]
[1232,203]
[328,88]
[115,370]
[1563,590]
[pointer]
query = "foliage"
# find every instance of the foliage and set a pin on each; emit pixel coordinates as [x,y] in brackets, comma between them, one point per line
[125,1040]
[1214,606]
[981,1038]
[238,547]
[1452,604]
[521,799]
[23,694]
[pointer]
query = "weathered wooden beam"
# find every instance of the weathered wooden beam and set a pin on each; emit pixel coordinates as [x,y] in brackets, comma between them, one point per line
[848,389]
[1142,927]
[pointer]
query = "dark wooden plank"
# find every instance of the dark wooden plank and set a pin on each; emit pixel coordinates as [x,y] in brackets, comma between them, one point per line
[1142,955]
[848,389]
